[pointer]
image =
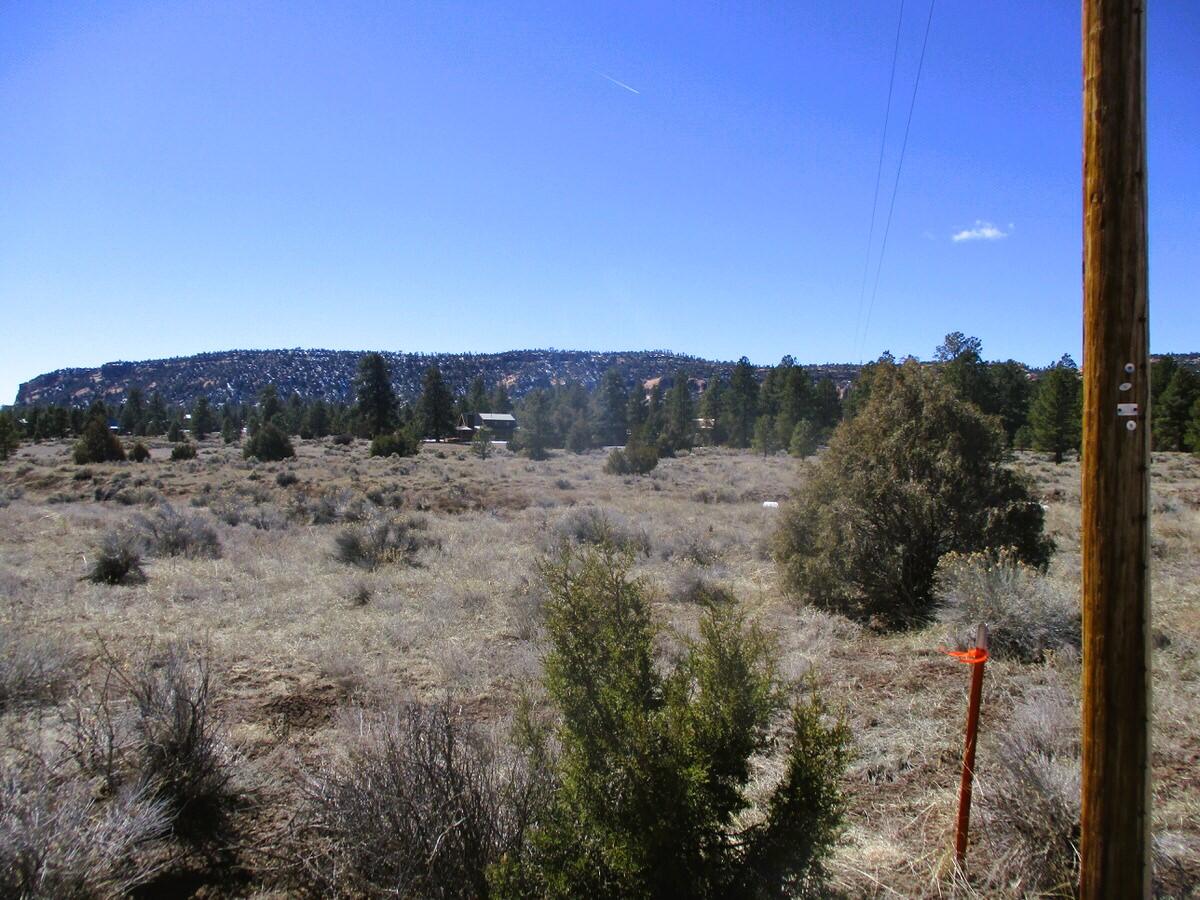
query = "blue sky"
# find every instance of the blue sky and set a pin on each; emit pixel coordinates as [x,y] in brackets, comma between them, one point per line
[180,177]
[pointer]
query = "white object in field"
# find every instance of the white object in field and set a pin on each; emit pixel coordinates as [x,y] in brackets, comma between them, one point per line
[770,504]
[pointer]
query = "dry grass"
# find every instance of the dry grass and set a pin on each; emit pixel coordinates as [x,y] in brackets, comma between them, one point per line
[294,634]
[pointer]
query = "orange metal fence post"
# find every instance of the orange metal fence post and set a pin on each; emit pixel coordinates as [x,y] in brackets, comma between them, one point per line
[976,657]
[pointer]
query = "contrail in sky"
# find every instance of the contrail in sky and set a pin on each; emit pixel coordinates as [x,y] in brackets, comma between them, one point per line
[619,83]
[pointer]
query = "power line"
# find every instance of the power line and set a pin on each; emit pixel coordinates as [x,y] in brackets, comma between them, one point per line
[899,167]
[887,113]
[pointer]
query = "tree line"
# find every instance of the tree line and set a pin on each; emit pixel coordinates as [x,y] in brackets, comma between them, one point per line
[788,409]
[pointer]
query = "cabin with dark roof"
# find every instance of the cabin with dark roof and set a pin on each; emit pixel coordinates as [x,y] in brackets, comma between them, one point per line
[501,425]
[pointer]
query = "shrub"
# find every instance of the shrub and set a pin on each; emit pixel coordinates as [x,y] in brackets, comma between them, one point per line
[589,525]
[1031,812]
[184,450]
[381,542]
[917,474]
[269,444]
[398,443]
[139,452]
[1027,614]
[286,479]
[343,440]
[650,781]
[169,533]
[57,840]
[118,560]
[636,459]
[180,752]
[421,808]
[98,444]
[32,669]
[481,443]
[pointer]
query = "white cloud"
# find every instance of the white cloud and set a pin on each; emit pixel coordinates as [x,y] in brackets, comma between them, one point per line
[983,231]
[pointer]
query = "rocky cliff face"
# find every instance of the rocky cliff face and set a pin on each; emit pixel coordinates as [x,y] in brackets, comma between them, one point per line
[236,376]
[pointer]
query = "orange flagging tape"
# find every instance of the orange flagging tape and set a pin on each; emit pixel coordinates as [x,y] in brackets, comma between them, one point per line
[973,657]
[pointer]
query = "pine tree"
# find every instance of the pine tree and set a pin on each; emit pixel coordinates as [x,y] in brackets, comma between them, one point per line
[316,420]
[680,415]
[9,437]
[202,419]
[612,415]
[157,417]
[97,443]
[500,401]
[1055,416]
[741,405]
[436,406]
[132,412]
[229,429]
[376,401]
[535,425]
[712,410]
[766,437]
[477,399]
[1009,387]
[827,408]
[962,367]
[1192,436]
[1173,412]
[268,402]
[652,428]
[803,442]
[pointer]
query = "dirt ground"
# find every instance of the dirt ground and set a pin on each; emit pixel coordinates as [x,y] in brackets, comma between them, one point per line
[299,639]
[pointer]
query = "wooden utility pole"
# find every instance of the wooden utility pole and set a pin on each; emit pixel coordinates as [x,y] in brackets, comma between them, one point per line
[1115,824]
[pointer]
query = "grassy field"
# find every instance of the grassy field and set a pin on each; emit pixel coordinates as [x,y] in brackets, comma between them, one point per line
[300,641]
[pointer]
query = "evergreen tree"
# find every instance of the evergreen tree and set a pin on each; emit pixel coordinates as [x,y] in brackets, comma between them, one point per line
[917,474]
[1173,412]
[535,425]
[766,437]
[795,399]
[637,413]
[1009,388]
[157,417]
[827,408]
[9,435]
[376,401]
[1162,370]
[1192,436]
[481,442]
[202,419]
[680,415]
[803,442]
[1055,415]
[229,428]
[653,427]
[579,436]
[712,409]
[500,402]
[270,444]
[97,443]
[477,399]
[436,406]
[132,412]
[741,405]
[316,420]
[612,401]
[962,367]
[175,430]
[268,404]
